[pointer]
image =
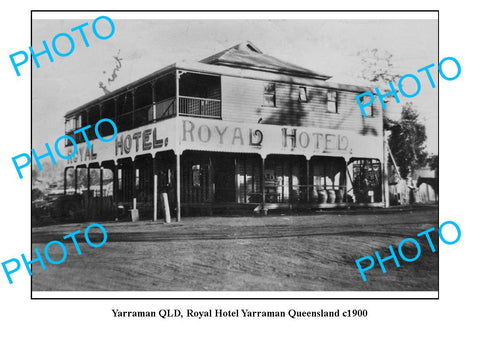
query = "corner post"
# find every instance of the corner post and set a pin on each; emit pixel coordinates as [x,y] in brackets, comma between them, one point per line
[262,184]
[178,174]
[177,92]
[308,180]
[155,189]
[65,181]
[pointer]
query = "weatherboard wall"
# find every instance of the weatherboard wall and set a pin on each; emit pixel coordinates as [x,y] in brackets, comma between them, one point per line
[243,101]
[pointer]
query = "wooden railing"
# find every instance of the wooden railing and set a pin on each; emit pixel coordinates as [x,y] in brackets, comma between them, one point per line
[190,106]
[165,108]
[200,107]
[298,194]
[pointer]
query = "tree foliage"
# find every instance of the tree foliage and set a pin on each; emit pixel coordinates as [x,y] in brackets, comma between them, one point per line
[433,162]
[407,141]
[36,193]
[377,67]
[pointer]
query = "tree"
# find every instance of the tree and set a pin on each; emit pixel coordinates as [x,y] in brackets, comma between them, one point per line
[432,161]
[377,67]
[378,70]
[36,194]
[407,141]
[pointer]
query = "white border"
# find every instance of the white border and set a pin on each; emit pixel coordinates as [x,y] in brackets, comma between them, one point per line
[188,15]
[236,15]
[236,295]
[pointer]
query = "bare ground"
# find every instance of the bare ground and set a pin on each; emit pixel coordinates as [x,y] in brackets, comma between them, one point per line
[299,253]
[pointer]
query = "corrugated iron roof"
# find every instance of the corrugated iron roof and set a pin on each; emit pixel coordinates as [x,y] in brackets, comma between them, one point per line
[237,60]
[247,55]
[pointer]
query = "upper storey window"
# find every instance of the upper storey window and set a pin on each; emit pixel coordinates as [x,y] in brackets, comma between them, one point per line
[70,125]
[73,123]
[269,95]
[302,94]
[367,108]
[332,101]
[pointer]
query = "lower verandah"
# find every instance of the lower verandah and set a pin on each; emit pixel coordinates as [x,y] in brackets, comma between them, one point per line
[232,179]
[237,178]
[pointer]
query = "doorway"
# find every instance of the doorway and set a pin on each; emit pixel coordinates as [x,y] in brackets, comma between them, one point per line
[224,178]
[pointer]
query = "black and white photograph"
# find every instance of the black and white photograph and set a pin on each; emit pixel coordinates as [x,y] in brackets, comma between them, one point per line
[238,170]
[235,156]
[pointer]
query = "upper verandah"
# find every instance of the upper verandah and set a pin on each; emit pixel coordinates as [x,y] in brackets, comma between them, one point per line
[243,60]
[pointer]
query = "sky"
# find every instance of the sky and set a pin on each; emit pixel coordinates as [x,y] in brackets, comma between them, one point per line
[144,46]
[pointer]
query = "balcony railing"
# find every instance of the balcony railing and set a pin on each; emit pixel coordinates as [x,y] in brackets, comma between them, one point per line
[165,108]
[189,106]
[200,107]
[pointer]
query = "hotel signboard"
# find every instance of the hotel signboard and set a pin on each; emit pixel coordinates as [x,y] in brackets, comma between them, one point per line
[217,135]
[221,136]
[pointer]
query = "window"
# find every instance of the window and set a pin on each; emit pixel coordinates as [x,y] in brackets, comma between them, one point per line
[368,109]
[119,174]
[367,180]
[269,95]
[332,101]
[73,123]
[70,125]
[302,94]
[196,173]
[69,128]
[137,179]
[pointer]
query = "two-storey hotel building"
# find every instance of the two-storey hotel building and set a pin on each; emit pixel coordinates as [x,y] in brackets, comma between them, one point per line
[239,129]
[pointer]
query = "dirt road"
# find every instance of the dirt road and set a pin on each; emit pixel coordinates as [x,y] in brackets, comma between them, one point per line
[310,252]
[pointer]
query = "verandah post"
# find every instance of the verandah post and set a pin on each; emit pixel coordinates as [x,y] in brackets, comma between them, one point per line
[178,173]
[88,191]
[75,179]
[155,189]
[308,180]
[65,181]
[154,107]
[115,184]
[101,190]
[262,184]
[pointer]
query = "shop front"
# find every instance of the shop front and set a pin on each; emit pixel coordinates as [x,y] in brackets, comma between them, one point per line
[271,166]
[207,164]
